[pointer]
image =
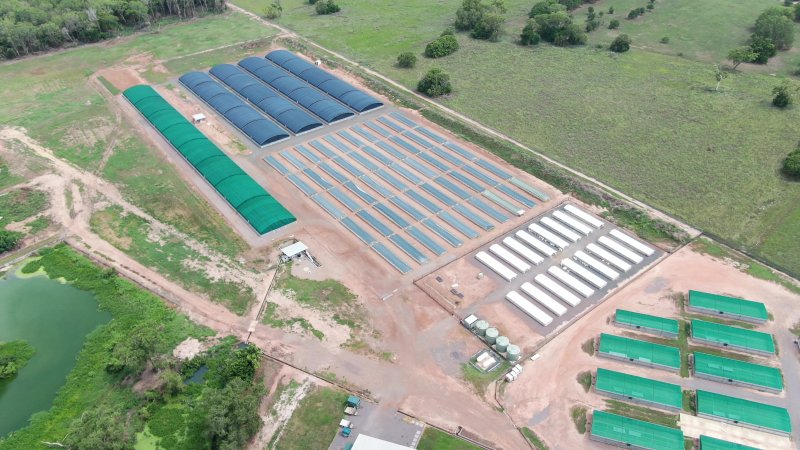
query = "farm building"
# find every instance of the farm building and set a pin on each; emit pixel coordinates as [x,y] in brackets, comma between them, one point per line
[637,389]
[735,338]
[640,352]
[743,412]
[630,433]
[733,371]
[729,307]
[262,211]
[710,443]
[647,323]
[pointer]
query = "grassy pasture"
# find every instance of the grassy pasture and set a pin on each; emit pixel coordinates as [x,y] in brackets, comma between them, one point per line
[51,96]
[644,122]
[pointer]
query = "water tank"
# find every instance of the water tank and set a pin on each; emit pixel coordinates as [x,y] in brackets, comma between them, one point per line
[480,327]
[491,335]
[513,352]
[501,343]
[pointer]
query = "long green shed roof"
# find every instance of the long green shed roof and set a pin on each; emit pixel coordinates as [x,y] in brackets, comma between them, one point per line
[727,335]
[741,371]
[639,320]
[710,443]
[743,411]
[644,389]
[728,305]
[641,351]
[248,198]
[632,432]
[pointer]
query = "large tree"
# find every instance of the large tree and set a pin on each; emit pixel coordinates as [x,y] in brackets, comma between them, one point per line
[103,427]
[230,415]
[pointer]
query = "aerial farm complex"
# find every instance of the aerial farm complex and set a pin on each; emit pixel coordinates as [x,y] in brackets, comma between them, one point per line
[391,273]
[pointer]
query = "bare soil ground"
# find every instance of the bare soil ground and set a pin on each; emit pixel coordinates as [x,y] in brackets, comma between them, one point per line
[542,397]
[122,78]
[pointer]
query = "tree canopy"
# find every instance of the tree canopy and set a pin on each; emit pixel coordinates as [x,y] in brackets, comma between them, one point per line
[776,25]
[435,83]
[33,26]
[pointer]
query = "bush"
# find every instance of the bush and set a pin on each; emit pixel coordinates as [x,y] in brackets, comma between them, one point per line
[763,48]
[406,60]
[797,12]
[591,25]
[665,40]
[634,13]
[571,4]
[559,29]
[435,83]
[776,25]
[489,28]
[613,25]
[327,7]
[546,7]
[611,10]
[273,10]
[650,6]
[791,165]
[529,35]
[9,240]
[621,44]
[441,46]
[782,97]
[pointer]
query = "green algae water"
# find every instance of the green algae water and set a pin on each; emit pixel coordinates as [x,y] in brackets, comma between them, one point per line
[54,318]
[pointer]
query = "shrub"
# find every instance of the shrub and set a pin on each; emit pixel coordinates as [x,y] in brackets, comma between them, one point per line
[782,97]
[650,6]
[791,165]
[327,7]
[613,25]
[621,44]
[776,25]
[489,28]
[406,60]
[634,13]
[665,40]
[9,240]
[764,49]
[591,25]
[740,55]
[435,83]
[559,29]
[448,31]
[546,7]
[441,46]
[571,4]
[797,12]
[273,10]
[312,2]
[529,35]
[611,10]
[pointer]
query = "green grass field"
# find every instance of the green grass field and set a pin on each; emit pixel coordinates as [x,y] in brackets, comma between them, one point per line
[314,422]
[52,98]
[433,439]
[644,122]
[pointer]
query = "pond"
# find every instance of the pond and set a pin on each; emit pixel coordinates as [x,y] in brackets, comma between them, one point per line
[55,319]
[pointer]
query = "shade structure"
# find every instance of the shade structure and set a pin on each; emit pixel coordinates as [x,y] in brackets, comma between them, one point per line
[265,98]
[341,90]
[253,124]
[631,433]
[296,89]
[262,211]
[725,306]
[744,412]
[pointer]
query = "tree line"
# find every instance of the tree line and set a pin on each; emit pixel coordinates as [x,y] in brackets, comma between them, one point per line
[29,26]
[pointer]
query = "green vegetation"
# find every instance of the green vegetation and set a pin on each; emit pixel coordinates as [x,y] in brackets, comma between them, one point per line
[9,240]
[433,439]
[620,44]
[444,45]
[7,177]
[796,329]
[688,400]
[20,204]
[435,83]
[13,356]
[479,380]
[44,25]
[406,60]
[51,97]
[642,413]
[711,169]
[107,84]
[314,421]
[588,346]
[38,224]
[89,386]
[791,165]
[585,380]
[272,319]
[578,414]
[169,255]
[535,440]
